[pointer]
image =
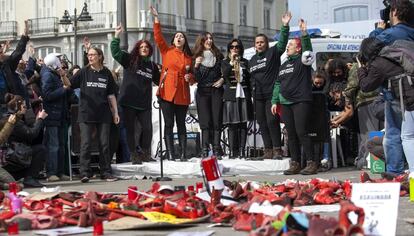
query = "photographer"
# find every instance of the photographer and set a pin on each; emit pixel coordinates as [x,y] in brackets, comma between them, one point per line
[400,14]
[22,136]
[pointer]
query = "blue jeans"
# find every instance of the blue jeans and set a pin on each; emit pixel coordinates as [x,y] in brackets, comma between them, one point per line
[54,141]
[392,139]
[407,136]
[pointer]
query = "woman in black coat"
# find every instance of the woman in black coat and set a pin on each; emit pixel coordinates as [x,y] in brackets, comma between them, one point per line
[237,108]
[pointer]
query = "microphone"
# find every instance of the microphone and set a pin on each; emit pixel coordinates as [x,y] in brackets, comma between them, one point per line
[187,69]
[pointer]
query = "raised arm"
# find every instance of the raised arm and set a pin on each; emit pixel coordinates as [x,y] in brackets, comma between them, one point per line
[20,48]
[120,56]
[306,42]
[284,32]
[159,38]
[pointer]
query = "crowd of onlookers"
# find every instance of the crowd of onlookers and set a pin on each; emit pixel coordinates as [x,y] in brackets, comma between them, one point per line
[37,97]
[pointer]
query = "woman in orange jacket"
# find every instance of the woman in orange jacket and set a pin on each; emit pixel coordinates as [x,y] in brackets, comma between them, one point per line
[174,87]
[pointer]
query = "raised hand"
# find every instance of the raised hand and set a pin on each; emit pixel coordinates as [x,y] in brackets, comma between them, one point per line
[26,28]
[87,43]
[153,11]
[6,46]
[118,30]
[31,50]
[286,18]
[302,27]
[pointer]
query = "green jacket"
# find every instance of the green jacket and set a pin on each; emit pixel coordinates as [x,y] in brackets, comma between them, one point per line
[353,93]
[120,56]
[277,96]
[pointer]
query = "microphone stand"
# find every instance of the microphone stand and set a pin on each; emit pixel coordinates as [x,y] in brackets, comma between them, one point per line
[162,177]
[255,121]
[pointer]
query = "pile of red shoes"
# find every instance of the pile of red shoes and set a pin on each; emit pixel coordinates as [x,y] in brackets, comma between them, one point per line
[84,209]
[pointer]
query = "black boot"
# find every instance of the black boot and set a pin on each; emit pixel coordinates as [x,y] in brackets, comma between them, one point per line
[232,136]
[242,138]
[169,143]
[182,138]
[217,151]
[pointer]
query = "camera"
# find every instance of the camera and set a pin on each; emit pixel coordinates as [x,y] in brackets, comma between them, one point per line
[385,13]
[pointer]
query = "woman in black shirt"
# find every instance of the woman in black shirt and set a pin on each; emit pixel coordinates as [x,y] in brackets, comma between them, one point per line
[209,96]
[97,109]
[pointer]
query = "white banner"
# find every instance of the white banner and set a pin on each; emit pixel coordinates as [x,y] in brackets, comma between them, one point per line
[192,123]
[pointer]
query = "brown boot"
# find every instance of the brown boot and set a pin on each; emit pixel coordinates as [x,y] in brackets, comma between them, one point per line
[136,158]
[294,168]
[310,169]
[146,156]
[268,153]
[277,153]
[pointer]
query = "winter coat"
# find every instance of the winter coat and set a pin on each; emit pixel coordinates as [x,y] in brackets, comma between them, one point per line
[9,81]
[378,73]
[398,31]
[173,88]
[54,97]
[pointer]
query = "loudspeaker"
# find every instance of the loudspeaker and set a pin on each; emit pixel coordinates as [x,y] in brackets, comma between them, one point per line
[193,144]
[318,126]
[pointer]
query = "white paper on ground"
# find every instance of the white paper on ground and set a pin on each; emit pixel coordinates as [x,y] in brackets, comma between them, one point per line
[197,233]
[206,197]
[319,208]
[64,231]
[380,203]
[266,208]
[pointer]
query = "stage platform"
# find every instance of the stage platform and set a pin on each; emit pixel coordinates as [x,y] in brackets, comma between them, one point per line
[191,168]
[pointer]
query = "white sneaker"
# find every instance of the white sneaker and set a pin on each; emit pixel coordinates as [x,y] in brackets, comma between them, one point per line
[53,178]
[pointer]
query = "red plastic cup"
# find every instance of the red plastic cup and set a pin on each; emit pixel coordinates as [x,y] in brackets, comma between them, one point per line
[13,228]
[199,186]
[190,188]
[98,228]
[132,194]
[13,187]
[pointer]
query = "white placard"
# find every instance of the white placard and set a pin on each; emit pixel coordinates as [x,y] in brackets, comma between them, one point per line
[380,203]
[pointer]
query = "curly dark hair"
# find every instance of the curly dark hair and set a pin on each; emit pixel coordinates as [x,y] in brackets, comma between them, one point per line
[135,58]
[13,102]
[199,46]
[338,64]
[404,10]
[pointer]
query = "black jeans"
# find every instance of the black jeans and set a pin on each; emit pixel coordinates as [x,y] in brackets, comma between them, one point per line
[39,154]
[144,118]
[210,114]
[102,135]
[269,124]
[171,111]
[296,117]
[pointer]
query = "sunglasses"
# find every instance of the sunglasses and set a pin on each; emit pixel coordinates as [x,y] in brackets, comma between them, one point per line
[234,47]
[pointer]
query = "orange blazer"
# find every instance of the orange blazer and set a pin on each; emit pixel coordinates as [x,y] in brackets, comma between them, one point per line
[173,88]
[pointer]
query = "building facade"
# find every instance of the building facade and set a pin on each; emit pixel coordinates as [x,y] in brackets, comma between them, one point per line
[317,12]
[226,19]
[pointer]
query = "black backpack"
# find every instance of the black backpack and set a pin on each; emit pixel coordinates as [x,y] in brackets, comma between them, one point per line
[401,52]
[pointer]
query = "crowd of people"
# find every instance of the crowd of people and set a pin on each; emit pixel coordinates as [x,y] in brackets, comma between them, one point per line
[37,95]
